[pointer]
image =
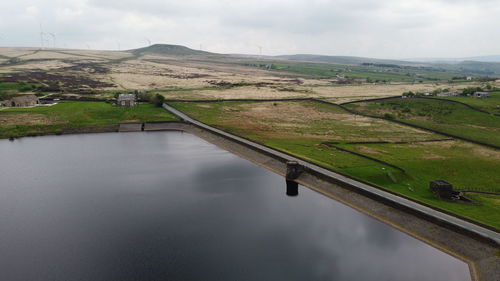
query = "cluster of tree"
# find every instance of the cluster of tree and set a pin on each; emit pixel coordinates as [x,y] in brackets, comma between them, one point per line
[433,93]
[410,94]
[439,90]
[370,80]
[155,99]
[471,90]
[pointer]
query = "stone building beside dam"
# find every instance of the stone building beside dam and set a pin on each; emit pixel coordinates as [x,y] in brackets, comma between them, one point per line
[126,100]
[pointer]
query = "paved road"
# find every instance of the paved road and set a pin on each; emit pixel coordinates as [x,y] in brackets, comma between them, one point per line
[348,181]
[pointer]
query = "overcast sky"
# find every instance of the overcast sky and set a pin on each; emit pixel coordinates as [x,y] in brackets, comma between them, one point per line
[372,28]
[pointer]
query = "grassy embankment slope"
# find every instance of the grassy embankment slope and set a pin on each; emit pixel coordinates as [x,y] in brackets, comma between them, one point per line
[301,128]
[452,118]
[17,122]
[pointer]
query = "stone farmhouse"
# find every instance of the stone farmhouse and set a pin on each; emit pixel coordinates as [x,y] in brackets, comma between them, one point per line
[22,101]
[126,100]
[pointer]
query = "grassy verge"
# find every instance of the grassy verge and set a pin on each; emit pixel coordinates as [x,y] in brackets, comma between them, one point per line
[451,118]
[16,122]
[302,128]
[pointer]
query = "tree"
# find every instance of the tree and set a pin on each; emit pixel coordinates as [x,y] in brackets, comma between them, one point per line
[158,100]
[471,90]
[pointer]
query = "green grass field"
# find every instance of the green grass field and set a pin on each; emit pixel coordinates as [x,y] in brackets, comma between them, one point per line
[9,89]
[16,122]
[452,118]
[373,73]
[490,104]
[301,128]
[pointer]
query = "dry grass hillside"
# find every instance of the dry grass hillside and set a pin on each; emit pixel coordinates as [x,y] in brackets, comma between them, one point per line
[180,74]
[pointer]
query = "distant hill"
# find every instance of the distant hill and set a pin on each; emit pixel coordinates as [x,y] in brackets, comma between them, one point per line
[342,59]
[475,67]
[466,66]
[493,58]
[165,49]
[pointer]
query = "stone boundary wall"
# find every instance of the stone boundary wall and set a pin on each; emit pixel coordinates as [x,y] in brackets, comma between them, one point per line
[411,125]
[332,145]
[350,111]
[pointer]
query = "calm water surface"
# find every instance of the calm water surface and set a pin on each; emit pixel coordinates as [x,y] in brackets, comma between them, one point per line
[170,206]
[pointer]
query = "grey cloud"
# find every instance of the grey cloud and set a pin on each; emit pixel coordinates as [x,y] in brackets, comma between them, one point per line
[381,28]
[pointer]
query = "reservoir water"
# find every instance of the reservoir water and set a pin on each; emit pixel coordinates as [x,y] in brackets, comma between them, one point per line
[170,206]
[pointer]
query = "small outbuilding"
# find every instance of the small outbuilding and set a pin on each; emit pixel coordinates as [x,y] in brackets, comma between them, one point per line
[443,189]
[22,101]
[481,94]
[126,100]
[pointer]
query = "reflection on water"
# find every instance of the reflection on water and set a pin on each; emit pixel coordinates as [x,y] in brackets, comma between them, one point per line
[169,206]
[292,188]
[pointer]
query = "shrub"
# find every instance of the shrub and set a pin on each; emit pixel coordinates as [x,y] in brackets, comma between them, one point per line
[157,100]
[388,116]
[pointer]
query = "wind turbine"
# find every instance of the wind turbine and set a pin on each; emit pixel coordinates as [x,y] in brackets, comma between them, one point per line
[53,38]
[148,41]
[41,36]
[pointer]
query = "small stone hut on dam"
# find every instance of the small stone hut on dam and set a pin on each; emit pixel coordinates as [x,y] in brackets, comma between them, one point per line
[22,101]
[126,100]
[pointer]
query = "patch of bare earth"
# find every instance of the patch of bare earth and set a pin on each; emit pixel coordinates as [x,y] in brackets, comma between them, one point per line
[245,92]
[204,105]
[432,156]
[485,128]
[439,144]
[484,152]
[370,150]
[35,65]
